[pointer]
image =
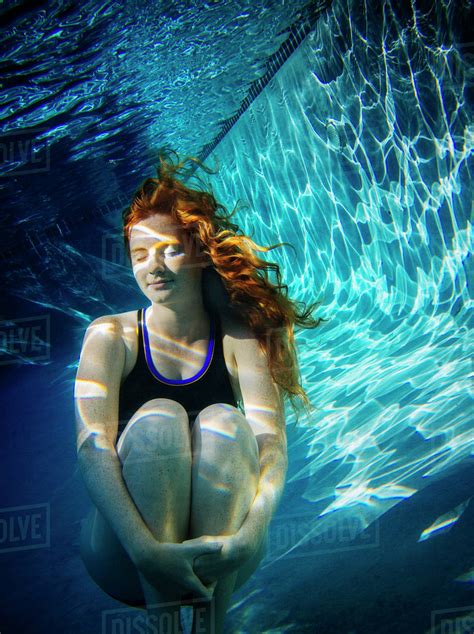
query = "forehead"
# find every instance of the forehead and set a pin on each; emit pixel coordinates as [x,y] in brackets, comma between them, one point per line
[158,227]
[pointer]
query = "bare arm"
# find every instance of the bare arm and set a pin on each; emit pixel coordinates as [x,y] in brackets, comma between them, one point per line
[264,410]
[101,472]
[273,467]
[96,403]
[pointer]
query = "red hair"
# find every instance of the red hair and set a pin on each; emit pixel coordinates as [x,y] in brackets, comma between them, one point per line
[240,275]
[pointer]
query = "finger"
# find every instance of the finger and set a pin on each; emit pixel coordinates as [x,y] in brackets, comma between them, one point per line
[211,547]
[211,586]
[208,579]
[208,558]
[206,567]
[215,546]
[203,540]
[199,588]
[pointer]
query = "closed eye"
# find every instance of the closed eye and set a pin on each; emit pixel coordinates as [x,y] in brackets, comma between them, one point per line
[173,253]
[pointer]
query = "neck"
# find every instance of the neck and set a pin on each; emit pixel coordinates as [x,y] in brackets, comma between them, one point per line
[185,324]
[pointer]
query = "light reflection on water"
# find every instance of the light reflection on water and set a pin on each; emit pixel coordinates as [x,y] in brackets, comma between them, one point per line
[342,159]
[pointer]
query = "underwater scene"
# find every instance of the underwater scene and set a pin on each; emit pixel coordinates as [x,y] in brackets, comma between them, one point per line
[345,131]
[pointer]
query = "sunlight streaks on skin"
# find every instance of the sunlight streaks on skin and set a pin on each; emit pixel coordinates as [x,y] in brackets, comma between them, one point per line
[219,429]
[100,441]
[149,411]
[141,230]
[89,389]
[261,419]
[141,263]
[87,392]
[88,428]
[157,244]
[207,474]
[179,263]
[180,348]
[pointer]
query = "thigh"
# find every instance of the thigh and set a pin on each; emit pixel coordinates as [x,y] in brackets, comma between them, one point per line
[107,562]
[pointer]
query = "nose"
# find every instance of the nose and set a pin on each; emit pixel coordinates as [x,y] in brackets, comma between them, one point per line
[156,255]
[157,261]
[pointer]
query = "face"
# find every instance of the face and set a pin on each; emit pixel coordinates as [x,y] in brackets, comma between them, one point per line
[162,252]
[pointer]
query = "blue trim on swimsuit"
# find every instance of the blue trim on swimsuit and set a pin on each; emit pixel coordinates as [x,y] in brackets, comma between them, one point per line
[163,379]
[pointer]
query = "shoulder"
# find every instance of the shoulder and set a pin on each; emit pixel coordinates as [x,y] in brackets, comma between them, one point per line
[116,321]
[115,326]
[242,340]
[234,327]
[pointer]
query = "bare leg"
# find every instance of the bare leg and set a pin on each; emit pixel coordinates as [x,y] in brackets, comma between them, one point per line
[225,473]
[155,451]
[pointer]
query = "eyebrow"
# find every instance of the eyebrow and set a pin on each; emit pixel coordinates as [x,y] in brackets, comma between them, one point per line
[159,242]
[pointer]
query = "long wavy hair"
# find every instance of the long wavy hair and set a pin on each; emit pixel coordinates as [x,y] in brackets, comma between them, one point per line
[237,275]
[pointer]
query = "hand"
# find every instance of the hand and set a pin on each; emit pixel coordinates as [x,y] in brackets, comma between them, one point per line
[220,563]
[169,567]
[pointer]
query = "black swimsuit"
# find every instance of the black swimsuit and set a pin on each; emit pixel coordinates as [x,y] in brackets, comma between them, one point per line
[210,385]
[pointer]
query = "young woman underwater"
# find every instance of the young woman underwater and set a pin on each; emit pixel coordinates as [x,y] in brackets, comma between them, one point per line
[180,414]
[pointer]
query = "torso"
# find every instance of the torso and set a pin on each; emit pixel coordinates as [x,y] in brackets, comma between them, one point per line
[166,361]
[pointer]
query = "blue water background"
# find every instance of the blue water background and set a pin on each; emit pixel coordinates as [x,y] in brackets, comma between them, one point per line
[359,153]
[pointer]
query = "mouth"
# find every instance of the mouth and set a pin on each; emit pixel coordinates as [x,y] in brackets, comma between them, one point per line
[160,284]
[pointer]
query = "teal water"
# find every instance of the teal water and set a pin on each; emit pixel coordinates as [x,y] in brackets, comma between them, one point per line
[359,153]
[365,172]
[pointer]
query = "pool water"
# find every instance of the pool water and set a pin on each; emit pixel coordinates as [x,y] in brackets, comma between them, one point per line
[358,152]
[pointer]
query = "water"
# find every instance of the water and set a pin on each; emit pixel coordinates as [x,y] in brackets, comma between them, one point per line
[180,61]
[359,153]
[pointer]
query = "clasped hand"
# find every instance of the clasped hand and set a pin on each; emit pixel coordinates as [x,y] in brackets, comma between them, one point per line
[210,566]
[193,566]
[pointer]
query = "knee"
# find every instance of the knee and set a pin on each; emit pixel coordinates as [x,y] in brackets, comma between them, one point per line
[221,418]
[222,427]
[159,425]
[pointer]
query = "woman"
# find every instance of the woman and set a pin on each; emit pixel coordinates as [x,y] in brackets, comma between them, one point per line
[179,407]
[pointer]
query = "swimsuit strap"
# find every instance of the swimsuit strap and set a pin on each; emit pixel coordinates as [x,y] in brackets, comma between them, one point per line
[147,359]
